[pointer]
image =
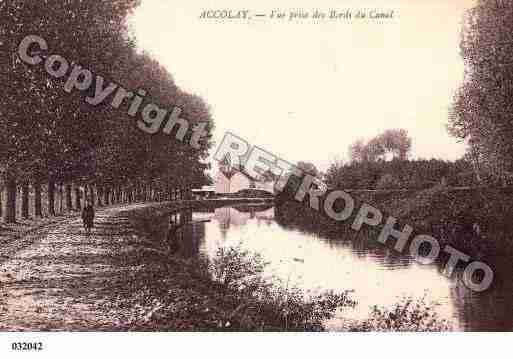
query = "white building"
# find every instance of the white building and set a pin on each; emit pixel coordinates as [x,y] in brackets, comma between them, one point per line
[232,181]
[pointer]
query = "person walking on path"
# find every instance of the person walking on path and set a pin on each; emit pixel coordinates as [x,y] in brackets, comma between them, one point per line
[88,216]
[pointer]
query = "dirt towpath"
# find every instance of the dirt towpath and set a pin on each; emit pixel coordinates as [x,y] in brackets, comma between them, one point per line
[63,279]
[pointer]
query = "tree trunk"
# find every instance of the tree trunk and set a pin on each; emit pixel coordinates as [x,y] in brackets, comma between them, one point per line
[51,197]
[99,196]
[69,202]
[91,194]
[106,196]
[37,200]
[61,199]
[10,208]
[78,202]
[25,201]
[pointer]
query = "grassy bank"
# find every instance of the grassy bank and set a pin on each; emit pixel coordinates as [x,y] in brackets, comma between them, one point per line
[476,221]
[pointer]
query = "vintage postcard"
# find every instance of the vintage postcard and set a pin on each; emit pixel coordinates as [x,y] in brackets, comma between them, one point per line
[169,167]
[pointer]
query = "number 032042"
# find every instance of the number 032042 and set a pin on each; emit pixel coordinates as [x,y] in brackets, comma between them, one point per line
[26,346]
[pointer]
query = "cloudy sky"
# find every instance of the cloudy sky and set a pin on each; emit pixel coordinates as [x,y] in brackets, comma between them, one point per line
[305,90]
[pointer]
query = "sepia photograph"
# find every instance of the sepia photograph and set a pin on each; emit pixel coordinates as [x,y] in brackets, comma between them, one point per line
[256,178]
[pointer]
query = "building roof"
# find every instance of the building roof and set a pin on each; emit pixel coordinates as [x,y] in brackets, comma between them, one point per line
[241,170]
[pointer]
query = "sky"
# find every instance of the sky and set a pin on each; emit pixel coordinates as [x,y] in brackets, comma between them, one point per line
[305,90]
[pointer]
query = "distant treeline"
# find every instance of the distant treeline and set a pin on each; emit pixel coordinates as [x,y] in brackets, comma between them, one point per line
[399,174]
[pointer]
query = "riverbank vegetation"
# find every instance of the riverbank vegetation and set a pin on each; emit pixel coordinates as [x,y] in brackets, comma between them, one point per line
[474,220]
[407,315]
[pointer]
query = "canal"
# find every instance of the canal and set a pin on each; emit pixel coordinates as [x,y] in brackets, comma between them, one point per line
[314,262]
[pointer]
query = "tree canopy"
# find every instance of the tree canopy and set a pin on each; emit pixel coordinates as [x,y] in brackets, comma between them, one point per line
[48,134]
[393,142]
[482,109]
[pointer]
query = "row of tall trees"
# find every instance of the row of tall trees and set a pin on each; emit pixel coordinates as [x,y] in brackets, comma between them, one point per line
[49,137]
[482,112]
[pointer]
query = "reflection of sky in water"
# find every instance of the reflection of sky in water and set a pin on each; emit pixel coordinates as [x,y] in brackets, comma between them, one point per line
[313,263]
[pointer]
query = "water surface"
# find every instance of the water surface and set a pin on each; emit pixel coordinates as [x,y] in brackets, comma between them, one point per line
[377,275]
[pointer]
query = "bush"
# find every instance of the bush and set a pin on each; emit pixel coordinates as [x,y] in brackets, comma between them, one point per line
[408,315]
[261,305]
